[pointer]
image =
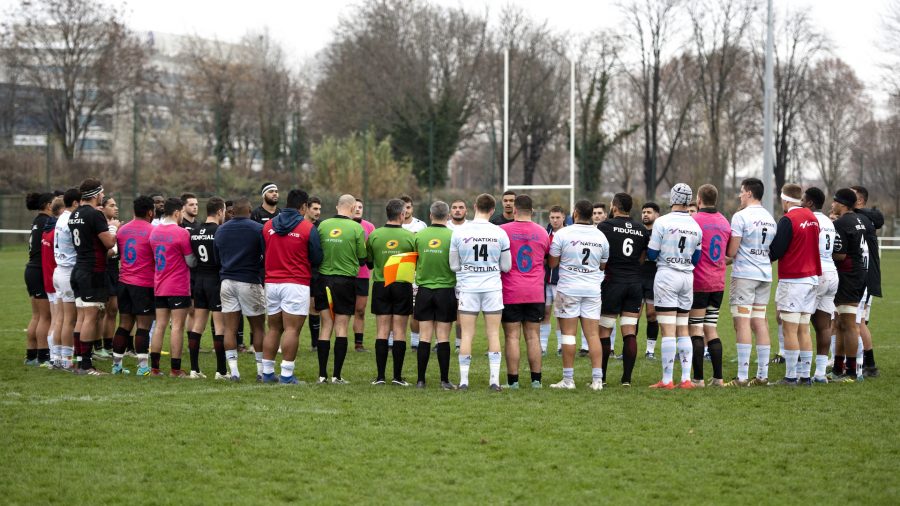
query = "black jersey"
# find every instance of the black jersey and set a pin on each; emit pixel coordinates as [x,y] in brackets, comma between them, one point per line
[188,225]
[499,219]
[34,240]
[628,241]
[648,269]
[86,224]
[203,246]
[851,236]
[260,215]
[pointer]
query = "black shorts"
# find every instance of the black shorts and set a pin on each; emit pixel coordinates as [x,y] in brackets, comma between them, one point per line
[647,285]
[205,292]
[529,312]
[704,300]
[90,286]
[343,294]
[135,300]
[362,287]
[618,298]
[112,282]
[435,304]
[316,287]
[850,288]
[396,298]
[34,282]
[173,302]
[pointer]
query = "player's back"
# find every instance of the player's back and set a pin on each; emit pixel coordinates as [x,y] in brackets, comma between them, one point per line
[137,266]
[756,228]
[171,243]
[827,235]
[627,243]
[63,248]
[529,244]
[676,236]
[582,250]
[203,240]
[709,274]
[479,245]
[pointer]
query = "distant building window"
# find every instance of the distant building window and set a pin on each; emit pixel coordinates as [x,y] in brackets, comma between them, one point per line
[96,145]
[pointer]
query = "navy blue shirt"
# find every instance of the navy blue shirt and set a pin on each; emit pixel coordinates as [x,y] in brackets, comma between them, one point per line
[240,248]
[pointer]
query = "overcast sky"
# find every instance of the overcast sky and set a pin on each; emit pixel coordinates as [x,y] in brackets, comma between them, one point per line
[305,27]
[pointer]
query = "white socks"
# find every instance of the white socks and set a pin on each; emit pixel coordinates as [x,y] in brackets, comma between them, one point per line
[612,341]
[545,336]
[859,357]
[805,364]
[268,366]
[781,339]
[763,352]
[686,354]
[584,345]
[287,368]
[790,363]
[597,374]
[231,357]
[142,359]
[259,363]
[668,358]
[464,362]
[414,339]
[821,364]
[743,357]
[651,345]
[494,364]
[568,373]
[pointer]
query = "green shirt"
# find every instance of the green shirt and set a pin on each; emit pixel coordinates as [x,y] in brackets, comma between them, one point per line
[343,246]
[384,242]
[433,264]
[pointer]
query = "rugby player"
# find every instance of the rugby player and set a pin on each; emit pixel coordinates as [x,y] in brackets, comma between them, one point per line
[39,326]
[110,210]
[622,288]
[581,252]
[709,285]
[796,248]
[649,215]
[414,225]
[557,218]
[48,265]
[135,290]
[458,213]
[874,220]
[171,285]
[292,250]
[675,245]
[435,306]
[598,215]
[393,304]
[159,203]
[752,231]
[479,252]
[206,289]
[362,284]
[268,209]
[814,199]
[508,215]
[64,253]
[852,272]
[313,212]
[523,291]
[190,211]
[239,247]
[344,248]
[92,236]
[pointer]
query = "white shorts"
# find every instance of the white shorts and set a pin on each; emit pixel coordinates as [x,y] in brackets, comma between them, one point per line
[749,292]
[292,298]
[549,294]
[865,308]
[825,292]
[673,288]
[62,283]
[248,298]
[569,306]
[51,297]
[795,297]
[484,302]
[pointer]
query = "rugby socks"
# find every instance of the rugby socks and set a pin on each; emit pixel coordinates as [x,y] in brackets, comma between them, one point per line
[850,366]
[667,348]
[584,345]
[494,365]
[399,354]
[79,344]
[443,356]
[287,369]
[381,356]
[605,350]
[141,345]
[612,343]
[512,378]
[43,355]
[87,350]
[66,353]
[838,368]
[569,373]
[558,343]
[869,358]
[821,364]
[231,356]
[259,367]
[31,354]
[536,376]
[414,339]
[697,342]
[790,363]
[781,340]
[597,374]
[629,356]
[743,357]
[108,343]
[545,336]
[323,348]
[219,347]
[154,360]
[358,338]
[859,357]
[686,355]
[422,356]
[805,364]
[175,364]
[652,334]
[98,344]
[194,350]
[715,356]
[390,338]
[831,348]
[120,344]
[268,366]
[129,344]
[464,362]
[340,352]
[763,353]
[315,323]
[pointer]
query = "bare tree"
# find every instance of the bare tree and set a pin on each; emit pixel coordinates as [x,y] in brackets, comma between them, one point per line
[836,112]
[890,44]
[79,56]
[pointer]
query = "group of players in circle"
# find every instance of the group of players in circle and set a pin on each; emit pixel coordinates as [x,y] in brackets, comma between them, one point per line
[278,267]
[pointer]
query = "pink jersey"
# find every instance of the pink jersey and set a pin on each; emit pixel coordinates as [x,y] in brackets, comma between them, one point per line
[364,272]
[709,275]
[171,244]
[136,266]
[529,243]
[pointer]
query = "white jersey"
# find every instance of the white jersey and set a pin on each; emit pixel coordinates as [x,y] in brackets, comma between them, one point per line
[677,237]
[63,248]
[756,228]
[156,221]
[415,225]
[827,233]
[453,226]
[479,245]
[581,249]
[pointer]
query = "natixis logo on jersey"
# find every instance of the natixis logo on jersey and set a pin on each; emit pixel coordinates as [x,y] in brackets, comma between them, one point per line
[392,244]
[335,232]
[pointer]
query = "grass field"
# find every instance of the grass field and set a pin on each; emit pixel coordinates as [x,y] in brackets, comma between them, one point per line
[66,439]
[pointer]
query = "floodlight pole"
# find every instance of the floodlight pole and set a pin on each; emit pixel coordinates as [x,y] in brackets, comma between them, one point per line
[505,119]
[572,135]
[769,92]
